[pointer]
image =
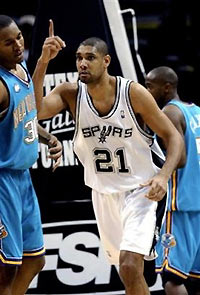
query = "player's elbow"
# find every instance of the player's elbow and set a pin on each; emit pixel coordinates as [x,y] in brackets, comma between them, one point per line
[41,115]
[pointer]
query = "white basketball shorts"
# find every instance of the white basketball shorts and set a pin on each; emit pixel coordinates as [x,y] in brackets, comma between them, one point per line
[126,221]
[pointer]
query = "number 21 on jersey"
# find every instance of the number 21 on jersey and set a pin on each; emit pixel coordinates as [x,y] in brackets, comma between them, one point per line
[103,161]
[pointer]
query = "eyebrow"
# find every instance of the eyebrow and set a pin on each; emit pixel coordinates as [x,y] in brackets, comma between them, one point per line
[86,53]
[10,39]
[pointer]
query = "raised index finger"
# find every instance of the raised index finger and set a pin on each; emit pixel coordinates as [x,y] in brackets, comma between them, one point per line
[51,28]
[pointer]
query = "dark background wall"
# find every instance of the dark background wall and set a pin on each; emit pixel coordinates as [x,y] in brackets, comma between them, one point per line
[167,33]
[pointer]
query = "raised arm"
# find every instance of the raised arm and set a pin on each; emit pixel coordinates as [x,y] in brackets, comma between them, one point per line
[51,47]
[144,104]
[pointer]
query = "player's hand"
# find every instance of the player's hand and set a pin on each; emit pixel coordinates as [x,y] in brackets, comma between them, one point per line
[157,187]
[55,151]
[52,45]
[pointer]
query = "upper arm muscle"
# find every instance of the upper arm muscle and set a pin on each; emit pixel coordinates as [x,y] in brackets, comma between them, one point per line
[4,100]
[60,98]
[144,104]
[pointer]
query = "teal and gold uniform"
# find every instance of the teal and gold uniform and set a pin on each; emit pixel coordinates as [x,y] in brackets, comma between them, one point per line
[19,210]
[183,212]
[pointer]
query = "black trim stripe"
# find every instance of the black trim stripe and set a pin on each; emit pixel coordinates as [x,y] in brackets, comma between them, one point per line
[90,103]
[77,115]
[128,100]
[116,103]
[158,161]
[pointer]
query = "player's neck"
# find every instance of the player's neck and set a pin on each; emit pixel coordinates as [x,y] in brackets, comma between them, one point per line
[104,87]
[175,97]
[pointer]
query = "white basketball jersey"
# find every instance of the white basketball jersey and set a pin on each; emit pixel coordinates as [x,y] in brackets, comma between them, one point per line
[114,150]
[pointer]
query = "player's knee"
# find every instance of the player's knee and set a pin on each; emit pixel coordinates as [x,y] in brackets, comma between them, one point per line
[131,264]
[40,263]
[35,265]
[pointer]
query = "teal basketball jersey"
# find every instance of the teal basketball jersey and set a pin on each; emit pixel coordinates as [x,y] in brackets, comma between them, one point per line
[184,194]
[18,128]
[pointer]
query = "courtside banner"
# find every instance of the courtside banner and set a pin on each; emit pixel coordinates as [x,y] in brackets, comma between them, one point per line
[75,262]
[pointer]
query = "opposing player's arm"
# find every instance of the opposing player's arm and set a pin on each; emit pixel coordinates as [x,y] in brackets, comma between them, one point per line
[4,101]
[144,104]
[176,117]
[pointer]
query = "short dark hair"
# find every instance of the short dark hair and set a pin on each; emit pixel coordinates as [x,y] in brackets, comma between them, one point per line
[5,21]
[98,43]
[165,75]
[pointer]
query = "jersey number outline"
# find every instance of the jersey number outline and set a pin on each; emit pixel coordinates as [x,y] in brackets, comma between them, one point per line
[31,128]
[103,161]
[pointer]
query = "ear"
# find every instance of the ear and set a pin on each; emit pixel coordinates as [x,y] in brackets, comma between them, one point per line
[167,87]
[107,60]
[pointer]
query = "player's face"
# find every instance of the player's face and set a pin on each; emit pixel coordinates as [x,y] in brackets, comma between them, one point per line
[11,45]
[90,64]
[156,89]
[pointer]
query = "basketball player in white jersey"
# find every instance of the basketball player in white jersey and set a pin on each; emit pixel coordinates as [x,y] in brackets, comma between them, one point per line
[115,152]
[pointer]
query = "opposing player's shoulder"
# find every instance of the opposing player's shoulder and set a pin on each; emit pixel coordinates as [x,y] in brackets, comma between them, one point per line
[174,113]
[172,110]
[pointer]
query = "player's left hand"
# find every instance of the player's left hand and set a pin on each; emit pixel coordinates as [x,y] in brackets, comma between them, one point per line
[55,151]
[157,187]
